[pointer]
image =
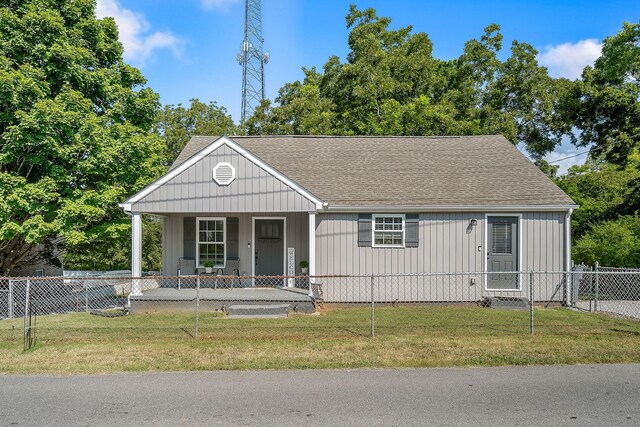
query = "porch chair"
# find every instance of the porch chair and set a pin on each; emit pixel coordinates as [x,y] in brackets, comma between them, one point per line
[232,269]
[186,267]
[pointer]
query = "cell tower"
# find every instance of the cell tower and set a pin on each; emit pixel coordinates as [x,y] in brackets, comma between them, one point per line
[252,58]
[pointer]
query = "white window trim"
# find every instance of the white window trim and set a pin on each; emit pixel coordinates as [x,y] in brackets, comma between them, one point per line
[373,230]
[224,239]
[520,288]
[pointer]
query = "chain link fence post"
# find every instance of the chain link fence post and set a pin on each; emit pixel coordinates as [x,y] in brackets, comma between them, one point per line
[27,324]
[597,290]
[86,296]
[197,304]
[531,302]
[10,301]
[373,328]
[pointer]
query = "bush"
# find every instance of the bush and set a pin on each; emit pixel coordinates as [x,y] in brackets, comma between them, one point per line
[613,243]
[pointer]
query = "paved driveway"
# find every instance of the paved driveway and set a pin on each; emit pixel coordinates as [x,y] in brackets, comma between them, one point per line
[621,307]
[559,395]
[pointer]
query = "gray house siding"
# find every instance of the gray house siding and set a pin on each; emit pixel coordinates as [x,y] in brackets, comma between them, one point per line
[446,245]
[173,238]
[195,191]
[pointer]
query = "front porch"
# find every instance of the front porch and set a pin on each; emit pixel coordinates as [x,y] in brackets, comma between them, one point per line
[264,247]
[172,299]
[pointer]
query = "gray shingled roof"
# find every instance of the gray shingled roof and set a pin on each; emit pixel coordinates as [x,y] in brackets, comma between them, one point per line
[402,171]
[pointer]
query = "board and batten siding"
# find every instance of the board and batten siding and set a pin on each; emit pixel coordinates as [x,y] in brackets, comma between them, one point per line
[194,190]
[173,238]
[447,244]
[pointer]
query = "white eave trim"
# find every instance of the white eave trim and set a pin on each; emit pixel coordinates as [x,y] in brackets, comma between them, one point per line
[451,208]
[205,152]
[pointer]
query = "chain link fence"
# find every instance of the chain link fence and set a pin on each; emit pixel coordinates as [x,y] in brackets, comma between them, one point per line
[608,289]
[501,303]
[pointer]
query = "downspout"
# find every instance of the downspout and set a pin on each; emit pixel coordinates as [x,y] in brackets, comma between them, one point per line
[567,252]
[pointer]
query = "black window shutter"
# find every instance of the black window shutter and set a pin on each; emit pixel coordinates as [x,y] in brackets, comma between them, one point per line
[232,237]
[411,230]
[189,238]
[364,230]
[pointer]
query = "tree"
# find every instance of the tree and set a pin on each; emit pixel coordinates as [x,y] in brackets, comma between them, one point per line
[614,243]
[177,124]
[115,253]
[603,191]
[302,110]
[606,103]
[391,84]
[75,135]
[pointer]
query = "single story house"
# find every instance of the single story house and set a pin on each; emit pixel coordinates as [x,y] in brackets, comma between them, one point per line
[357,206]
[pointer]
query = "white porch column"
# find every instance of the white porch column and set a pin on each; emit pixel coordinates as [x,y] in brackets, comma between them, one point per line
[136,252]
[312,248]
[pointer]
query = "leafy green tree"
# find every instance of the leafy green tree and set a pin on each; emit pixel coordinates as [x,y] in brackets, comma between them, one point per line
[177,124]
[302,110]
[606,106]
[75,125]
[115,253]
[614,243]
[392,84]
[603,191]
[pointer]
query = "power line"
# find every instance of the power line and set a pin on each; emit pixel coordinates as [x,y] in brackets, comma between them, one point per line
[570,157]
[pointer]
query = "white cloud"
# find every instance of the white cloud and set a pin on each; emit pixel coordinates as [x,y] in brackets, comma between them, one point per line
[569,59]
[218,4]
[133,29]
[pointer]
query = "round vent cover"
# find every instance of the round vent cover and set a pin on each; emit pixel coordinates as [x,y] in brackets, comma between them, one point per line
[224,173]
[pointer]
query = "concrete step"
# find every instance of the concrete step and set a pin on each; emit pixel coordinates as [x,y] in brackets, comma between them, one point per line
[508,303]
[246,311]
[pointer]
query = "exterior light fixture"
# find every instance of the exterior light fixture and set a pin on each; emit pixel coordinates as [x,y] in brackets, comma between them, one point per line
[473,222]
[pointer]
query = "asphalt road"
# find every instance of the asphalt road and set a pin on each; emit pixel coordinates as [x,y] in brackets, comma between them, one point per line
[558,395]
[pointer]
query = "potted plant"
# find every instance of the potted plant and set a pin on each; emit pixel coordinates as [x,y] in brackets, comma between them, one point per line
[208,266]
[304,267]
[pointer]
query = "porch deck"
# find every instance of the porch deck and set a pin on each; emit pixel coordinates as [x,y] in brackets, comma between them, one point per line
[171,299]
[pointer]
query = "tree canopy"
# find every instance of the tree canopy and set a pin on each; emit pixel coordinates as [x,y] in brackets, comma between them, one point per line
[75,126]
[177,124]
[606,102]
[391,84]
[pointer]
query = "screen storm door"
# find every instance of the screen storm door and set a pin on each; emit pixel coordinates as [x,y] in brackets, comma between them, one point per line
[502,254]
[269,250]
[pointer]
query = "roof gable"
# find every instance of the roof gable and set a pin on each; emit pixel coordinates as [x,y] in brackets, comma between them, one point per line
[190,186]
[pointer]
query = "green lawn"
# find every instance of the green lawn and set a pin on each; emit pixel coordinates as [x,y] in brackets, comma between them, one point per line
[337,338]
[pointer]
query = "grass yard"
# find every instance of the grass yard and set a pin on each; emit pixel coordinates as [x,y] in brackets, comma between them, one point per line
[336,338]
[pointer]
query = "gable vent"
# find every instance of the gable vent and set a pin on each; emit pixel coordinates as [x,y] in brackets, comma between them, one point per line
[224,173]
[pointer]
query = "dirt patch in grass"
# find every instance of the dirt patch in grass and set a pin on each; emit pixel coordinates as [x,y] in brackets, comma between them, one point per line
[336,338]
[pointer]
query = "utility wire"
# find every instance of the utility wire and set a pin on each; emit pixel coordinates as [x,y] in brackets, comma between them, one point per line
[570,157]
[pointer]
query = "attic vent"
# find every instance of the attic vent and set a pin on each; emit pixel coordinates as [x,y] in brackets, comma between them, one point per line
[224,173]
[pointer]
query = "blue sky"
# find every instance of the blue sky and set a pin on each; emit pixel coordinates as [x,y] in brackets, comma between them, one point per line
[187,48]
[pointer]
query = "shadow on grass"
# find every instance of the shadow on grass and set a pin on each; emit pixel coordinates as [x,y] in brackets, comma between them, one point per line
[186,331]
[624,331]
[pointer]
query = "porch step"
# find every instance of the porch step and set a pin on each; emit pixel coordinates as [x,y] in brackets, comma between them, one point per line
[246,311]
[508,303]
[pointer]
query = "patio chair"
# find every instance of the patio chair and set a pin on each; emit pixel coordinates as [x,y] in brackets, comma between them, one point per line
[186,267]
[232,269]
